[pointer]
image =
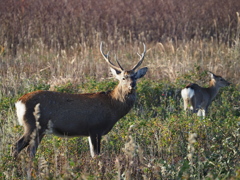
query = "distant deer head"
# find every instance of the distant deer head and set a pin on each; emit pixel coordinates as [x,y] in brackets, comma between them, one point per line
[91,114]
[198,98]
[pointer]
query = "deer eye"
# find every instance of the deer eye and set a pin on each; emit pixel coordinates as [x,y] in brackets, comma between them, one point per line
[124,78]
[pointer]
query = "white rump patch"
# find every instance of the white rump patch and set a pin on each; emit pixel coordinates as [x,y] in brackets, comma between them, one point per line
[187,93]
[21,110]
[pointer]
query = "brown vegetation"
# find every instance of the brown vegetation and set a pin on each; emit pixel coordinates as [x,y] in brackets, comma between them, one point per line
[48,44]
[63,24]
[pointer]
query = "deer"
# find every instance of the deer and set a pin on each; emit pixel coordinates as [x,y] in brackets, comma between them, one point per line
[198,99]
[89,115]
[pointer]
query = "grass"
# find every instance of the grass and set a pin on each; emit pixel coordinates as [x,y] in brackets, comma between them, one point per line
[156,140]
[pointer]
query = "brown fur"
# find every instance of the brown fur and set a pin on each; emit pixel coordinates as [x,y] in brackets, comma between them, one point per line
[90,114]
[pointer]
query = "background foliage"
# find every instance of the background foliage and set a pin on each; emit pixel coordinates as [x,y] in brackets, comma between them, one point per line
[55,46]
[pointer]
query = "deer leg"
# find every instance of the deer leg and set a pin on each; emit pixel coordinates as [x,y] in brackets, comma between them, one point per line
[20,145]
[185,104]
[205,110]
[202,110]
[23,141]
[194,104]
[29,129]
[34,142]
[94,143]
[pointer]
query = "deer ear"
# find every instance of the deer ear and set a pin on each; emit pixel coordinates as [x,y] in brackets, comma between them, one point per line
[141,72]
[115,72]
[211,75]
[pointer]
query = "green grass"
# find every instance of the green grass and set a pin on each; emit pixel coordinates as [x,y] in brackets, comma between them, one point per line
[159,148]
[150,142]
[49,46]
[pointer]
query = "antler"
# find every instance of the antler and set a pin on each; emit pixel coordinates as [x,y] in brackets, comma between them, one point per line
[141,58]
[109,62]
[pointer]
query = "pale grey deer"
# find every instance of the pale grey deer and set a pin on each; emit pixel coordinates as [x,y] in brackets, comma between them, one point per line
[198,99]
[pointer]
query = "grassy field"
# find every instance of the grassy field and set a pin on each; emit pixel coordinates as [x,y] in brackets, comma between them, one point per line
[44,45]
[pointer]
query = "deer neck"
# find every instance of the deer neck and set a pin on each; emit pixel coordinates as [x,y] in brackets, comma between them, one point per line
[123,99]
[123,95]
[213,88]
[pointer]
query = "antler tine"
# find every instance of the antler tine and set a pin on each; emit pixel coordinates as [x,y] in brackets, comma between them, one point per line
[118,62]
[141,58]
[108,61]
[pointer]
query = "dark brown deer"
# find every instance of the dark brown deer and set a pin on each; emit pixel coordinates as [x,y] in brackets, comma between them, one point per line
[70,115]
[198,98]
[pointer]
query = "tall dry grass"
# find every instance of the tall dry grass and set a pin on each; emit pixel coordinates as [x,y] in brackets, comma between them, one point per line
[48,40]
[65,24]
[166,61]
[49,45]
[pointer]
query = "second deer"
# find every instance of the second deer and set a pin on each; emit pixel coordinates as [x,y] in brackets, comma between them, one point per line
[198,98]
